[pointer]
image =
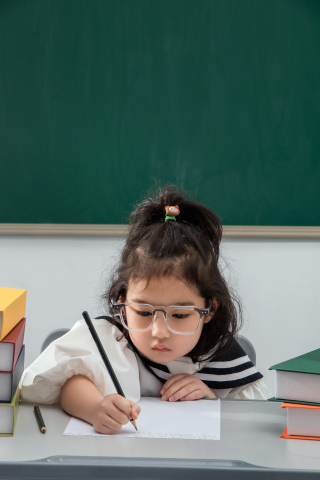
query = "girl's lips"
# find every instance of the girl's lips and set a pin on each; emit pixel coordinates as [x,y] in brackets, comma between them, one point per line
[161,348]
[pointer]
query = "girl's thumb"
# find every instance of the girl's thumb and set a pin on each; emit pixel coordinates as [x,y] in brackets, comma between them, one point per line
[135,410]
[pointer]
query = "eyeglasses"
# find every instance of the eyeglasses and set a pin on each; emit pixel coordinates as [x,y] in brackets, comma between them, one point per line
[137,317]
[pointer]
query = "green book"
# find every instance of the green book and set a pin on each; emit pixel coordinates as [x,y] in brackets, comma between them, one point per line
[285,400]
[297,379]
[8,415]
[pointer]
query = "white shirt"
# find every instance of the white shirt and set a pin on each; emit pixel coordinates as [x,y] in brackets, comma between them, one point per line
[76,353]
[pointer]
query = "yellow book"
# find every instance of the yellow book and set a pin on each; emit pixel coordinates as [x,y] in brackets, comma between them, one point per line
[8,415]
[12,308]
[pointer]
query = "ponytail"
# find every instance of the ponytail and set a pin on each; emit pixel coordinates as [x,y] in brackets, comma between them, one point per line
[188,247]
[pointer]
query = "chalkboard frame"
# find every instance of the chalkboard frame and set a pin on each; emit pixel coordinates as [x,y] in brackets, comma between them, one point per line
[121,230]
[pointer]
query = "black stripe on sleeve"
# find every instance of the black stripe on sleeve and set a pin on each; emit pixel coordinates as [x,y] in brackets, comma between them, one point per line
[227,371]
[233,383]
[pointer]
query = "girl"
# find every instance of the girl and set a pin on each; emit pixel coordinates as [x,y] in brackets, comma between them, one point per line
[171,327]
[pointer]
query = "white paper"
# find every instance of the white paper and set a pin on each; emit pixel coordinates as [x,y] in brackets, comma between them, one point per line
[198,419]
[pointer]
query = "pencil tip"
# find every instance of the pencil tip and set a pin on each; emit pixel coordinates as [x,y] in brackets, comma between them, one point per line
[133,423]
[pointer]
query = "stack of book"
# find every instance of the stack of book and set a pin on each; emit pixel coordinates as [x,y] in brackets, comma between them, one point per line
[298,387]
[12,328]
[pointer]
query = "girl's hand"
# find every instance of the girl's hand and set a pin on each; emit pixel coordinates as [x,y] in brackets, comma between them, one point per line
[185,387]
[113,412]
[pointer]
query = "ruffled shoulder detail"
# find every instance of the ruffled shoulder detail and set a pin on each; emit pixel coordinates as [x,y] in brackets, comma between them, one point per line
[75,353]
[253,391]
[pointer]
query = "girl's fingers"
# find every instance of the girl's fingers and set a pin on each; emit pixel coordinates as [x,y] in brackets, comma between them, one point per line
[186,380]
[104,429]
[127,407]
[104,423]
[119,415]
[121,403]
[170,382]
[135,410]
[192,396]
[183,392]
[114,411]
[111,423]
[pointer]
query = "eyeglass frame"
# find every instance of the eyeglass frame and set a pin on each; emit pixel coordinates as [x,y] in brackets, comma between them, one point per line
[202,312]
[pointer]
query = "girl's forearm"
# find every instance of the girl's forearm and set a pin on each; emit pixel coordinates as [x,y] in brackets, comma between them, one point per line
[80,398]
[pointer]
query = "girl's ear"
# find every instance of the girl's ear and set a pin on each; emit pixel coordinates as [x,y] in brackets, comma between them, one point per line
[214,308]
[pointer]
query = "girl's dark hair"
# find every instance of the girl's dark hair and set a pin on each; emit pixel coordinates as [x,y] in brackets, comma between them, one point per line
[187,248]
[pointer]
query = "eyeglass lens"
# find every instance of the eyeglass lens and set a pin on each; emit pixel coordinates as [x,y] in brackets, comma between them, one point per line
[180,319]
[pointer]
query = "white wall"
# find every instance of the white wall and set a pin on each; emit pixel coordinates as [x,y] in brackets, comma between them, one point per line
[277,280]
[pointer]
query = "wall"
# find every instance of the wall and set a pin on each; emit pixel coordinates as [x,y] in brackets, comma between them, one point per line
[278,281]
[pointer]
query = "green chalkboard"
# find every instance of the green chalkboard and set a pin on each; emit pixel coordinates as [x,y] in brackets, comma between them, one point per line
[101,99]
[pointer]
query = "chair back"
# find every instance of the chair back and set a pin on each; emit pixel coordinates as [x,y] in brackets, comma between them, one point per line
[247,347]
[53,336]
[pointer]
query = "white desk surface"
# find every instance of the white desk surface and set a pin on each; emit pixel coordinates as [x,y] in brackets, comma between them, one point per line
[250,432]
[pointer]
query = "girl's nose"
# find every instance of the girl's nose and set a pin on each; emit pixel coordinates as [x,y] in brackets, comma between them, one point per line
[159,327]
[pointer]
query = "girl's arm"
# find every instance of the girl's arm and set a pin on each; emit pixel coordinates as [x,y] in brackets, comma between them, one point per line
[81,398]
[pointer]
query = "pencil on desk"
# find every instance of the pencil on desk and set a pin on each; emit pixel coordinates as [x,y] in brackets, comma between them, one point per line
[39,418]
[105,359]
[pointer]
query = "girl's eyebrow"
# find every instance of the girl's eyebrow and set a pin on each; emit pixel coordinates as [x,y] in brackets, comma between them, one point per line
[185,304]
[182,304]
[137,300]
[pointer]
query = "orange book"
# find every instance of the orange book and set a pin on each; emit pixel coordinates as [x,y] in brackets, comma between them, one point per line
[12,308]
[303,421]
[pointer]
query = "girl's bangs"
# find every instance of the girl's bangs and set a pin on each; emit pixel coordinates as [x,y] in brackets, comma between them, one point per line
[188,267]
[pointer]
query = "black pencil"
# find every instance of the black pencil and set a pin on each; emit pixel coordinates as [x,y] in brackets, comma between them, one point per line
[105,359]
[39,418]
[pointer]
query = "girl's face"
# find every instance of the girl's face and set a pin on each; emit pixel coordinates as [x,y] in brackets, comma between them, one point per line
[158,343]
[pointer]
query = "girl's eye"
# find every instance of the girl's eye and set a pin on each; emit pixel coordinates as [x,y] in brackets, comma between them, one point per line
[180,315]
[144,314]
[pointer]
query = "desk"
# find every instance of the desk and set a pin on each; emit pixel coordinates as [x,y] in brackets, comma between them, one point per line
[249,447]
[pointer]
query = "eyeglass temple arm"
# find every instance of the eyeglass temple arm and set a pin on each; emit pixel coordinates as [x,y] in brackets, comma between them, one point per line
[118,305]
[204,311]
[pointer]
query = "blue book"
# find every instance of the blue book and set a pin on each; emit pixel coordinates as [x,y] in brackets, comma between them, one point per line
[9,381]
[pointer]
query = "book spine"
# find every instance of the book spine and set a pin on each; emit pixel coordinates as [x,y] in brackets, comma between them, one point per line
[15,378]
[16,400]
[15,405]
[18,344]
